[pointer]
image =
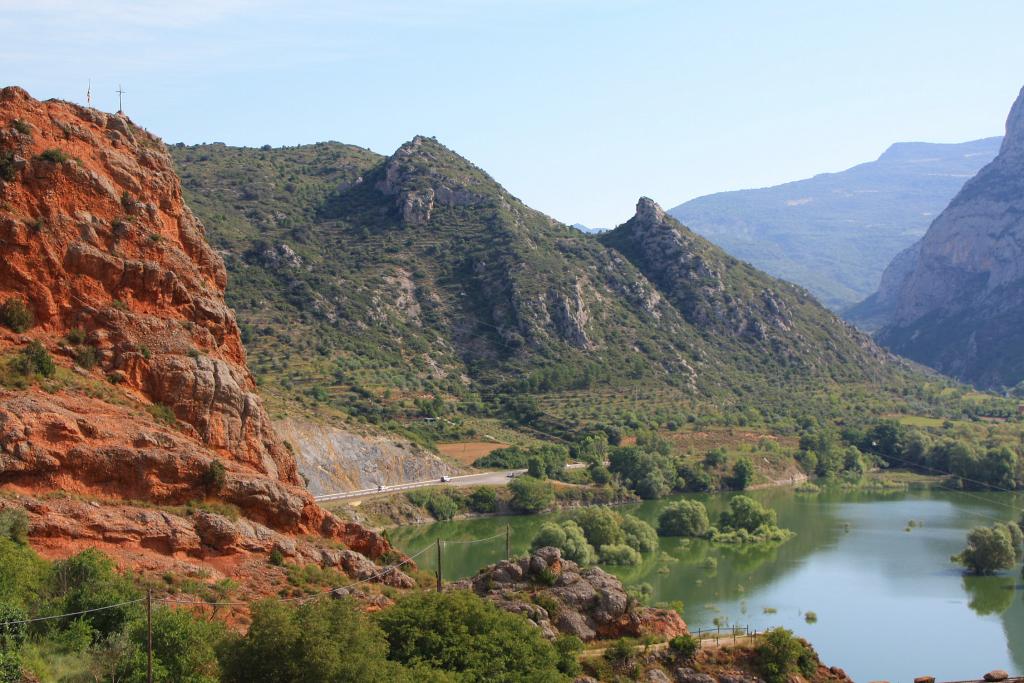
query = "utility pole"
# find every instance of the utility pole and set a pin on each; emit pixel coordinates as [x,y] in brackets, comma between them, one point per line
[508,539]
[149,636]
[439,565]
[120,104]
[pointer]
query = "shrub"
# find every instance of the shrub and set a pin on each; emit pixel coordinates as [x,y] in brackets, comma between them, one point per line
[742,474]
[463,633]
[684,647]
[620,652]
[747,513]
[86,357]
[15,315]
[483,500]
[567,537]
[989,549]
[76,336]
[531,495]
[640,535]
[619,554]
[34,359]
[7,170]
[779,654]
[21,126]
[442,506]
[326,640]
[276,557]
[568,648]
[601,526]
[54,155]
[684,518]
[214,477]
[163,414]
[14,525]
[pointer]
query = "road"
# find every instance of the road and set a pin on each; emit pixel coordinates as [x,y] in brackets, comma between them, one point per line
[490,478]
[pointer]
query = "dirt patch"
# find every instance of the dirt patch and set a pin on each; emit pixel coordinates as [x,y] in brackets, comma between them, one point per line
[725,437]
[468,452]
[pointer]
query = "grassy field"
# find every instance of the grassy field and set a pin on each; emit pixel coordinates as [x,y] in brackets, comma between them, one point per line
[468,452]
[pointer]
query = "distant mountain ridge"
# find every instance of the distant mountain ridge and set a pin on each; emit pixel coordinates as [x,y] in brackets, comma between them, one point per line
[955,300]
[834,233]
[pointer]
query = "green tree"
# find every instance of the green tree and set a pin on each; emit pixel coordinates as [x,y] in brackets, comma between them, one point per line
[15,315]
[14,525]
[531,495]
[779,653]
[483,500]
[550,534]
[742,474]
[89,580]
[989,550]
[639,535]
[685,647]
[684,518]
[185,647]
[615,553]
[568,648]
[601,525]
[460,632]
[747,513]
[535,467]
[326,640]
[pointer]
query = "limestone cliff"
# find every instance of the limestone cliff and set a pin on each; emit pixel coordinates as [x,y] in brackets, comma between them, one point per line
[959,307]
[151,401]
[332,459]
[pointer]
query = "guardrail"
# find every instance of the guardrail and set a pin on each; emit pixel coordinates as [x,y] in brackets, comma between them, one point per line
[402,487]
[420,484]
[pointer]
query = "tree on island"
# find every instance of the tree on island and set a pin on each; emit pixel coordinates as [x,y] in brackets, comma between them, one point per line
[989,550]
[684,518]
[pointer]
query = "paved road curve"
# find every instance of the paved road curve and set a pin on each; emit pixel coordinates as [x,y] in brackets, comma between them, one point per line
[499,478]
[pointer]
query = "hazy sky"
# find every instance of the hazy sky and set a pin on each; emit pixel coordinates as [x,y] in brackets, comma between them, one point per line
[577,106]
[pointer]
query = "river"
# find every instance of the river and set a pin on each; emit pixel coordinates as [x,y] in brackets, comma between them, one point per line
[889,603]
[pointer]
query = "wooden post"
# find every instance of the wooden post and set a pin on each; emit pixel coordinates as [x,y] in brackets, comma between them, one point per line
[508,542]
[439,565]
[149,636]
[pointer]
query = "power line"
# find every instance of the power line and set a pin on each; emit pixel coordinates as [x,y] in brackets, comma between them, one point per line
[71,614]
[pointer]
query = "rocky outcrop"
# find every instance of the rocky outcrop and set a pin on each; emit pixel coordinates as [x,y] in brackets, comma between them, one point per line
[331,459]
[958,307]
[564,598]
[415,177]
[152,400]
[729,301]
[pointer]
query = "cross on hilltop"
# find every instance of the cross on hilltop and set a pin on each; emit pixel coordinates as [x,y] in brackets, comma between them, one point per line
[120,93]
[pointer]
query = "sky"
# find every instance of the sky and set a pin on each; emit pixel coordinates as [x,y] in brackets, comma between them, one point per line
[578,107]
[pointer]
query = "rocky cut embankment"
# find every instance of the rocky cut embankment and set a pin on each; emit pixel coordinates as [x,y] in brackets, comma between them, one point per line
[151,405]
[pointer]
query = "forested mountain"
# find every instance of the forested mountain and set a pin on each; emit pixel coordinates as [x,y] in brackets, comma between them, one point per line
[835,232]
[379,284]
[956,300]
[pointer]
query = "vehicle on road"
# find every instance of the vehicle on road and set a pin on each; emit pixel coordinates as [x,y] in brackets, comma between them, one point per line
[445,478]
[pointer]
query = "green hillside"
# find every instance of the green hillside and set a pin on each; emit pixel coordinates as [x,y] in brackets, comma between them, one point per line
[392,289]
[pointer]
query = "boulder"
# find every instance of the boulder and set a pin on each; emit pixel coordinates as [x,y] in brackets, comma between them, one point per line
[996,675]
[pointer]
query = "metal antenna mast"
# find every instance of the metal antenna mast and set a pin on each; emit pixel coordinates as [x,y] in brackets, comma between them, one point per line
[120,92]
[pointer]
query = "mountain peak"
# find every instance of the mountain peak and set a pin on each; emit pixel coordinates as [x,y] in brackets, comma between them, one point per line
[648,211]
[1014,140]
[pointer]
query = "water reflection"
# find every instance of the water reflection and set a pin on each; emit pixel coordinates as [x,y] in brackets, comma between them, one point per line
[855,561]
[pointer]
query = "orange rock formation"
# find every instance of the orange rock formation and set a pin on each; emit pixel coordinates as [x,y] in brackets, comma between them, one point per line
[98,243]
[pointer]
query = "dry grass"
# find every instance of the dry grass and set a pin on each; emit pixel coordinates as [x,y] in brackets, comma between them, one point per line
[468,452]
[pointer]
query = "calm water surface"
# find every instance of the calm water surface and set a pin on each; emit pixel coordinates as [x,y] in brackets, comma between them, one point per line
[889,603]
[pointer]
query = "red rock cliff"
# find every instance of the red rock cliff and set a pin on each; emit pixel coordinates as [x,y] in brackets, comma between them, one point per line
[114,267]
